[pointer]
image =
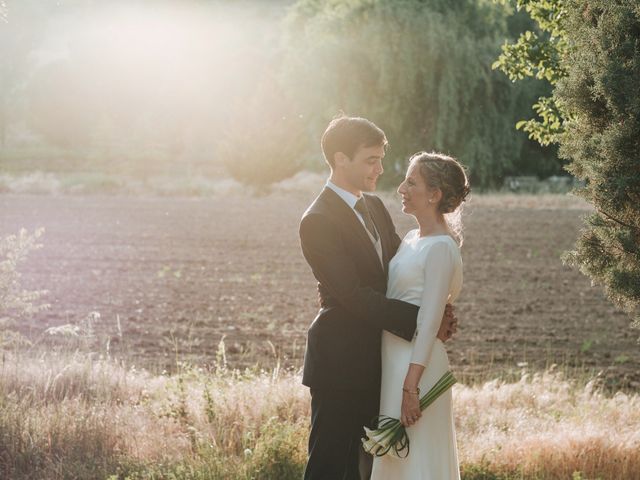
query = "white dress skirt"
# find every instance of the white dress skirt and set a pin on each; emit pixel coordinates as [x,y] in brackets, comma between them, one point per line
[426,271]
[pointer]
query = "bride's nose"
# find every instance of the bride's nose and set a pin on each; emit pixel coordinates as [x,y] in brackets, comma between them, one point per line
[401,188]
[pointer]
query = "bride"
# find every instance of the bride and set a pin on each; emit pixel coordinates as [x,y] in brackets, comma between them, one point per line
[426,270]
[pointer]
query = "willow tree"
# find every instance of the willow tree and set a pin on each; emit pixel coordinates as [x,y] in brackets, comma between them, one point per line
[421,69]
[601,96]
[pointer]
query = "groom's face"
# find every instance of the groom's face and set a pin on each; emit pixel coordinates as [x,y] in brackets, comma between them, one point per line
[364,168]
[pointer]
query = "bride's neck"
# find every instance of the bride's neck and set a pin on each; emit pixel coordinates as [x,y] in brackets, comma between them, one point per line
[433,224]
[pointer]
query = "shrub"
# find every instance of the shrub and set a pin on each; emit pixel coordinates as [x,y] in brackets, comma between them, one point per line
[16,303]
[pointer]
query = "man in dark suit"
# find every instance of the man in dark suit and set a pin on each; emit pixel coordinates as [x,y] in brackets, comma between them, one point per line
[348,239]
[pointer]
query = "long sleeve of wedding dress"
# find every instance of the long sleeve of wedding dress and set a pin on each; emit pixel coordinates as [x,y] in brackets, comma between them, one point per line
[438,274]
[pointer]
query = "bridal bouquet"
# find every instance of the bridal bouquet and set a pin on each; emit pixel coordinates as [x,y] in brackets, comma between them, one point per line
[391,437]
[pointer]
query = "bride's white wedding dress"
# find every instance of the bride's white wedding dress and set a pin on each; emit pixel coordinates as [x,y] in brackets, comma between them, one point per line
[426,271]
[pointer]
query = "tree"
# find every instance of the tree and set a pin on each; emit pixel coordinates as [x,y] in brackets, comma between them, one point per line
[418,68]
[601,97]
[539,53]
[590,52]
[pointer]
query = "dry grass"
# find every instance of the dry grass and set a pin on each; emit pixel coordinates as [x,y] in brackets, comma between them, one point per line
[67,416]
[547,427]
[72,417]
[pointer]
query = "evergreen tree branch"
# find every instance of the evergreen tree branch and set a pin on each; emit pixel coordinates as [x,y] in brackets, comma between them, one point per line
[618,221]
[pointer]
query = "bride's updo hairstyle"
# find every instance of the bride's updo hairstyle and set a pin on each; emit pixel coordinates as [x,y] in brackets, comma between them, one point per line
[445,173]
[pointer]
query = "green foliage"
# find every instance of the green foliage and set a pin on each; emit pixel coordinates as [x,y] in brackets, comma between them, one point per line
[547,130]
[419,69]
[601,93]
[278,453]
[540,55]
[485,472]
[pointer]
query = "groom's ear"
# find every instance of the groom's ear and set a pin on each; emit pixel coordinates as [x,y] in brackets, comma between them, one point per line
[340,159]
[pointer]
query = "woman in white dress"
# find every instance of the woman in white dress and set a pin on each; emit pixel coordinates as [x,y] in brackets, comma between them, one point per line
[426,271]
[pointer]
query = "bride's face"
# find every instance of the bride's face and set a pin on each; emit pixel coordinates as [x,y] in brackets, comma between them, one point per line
[416,196]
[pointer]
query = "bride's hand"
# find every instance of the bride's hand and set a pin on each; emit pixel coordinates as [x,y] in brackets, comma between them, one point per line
[410,411]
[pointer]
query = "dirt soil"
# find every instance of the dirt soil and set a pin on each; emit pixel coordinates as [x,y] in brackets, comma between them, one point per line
[180,274]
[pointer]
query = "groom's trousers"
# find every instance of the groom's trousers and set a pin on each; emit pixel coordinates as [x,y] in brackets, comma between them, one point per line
[337,421]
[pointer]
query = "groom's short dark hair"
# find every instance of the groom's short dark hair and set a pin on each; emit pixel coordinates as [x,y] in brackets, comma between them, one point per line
[346,134]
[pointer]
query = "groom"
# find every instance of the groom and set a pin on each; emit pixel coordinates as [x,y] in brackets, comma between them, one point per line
[348,239]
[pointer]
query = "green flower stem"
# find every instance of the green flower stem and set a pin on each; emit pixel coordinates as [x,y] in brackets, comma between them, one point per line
[446,381]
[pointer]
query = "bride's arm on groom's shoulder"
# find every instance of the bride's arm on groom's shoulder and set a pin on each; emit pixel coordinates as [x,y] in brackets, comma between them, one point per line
[439,272]
[335,269]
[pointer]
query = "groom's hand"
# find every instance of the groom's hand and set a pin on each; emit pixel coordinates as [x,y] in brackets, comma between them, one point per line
[449,324]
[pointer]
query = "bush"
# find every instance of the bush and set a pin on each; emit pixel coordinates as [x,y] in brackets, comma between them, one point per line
[278,452]
[15,303]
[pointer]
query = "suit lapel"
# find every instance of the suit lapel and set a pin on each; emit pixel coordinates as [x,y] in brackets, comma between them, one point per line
[353,223]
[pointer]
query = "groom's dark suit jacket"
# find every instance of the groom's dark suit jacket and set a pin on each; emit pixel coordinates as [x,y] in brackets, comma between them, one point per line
[343,343]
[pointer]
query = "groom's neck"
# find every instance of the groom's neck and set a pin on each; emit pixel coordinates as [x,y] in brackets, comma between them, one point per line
[345,185]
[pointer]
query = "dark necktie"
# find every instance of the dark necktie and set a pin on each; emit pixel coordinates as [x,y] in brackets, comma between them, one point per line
[361,208]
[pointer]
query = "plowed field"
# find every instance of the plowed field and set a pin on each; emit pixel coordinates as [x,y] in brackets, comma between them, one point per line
[182,273]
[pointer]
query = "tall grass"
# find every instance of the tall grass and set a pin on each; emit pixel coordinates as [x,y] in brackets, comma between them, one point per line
[546,427]
[73,416]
